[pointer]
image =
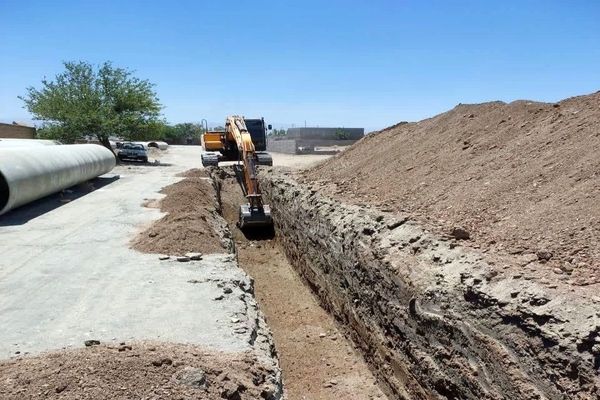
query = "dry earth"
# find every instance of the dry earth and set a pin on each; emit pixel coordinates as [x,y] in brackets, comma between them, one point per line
[521,178]
[140,370]
[190,224]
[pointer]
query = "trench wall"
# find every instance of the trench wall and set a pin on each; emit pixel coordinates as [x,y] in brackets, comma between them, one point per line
[432,319]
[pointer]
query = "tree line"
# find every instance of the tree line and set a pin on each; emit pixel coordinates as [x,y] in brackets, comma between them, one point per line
[101,101]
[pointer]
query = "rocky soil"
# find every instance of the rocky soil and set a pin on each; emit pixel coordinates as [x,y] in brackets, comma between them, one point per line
[436,318]
[140,370]
[521,179]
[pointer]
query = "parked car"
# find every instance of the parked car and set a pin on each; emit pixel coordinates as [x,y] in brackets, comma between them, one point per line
[132,151]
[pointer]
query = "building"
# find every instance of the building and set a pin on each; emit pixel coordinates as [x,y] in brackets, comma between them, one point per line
[314,140]
[16,131]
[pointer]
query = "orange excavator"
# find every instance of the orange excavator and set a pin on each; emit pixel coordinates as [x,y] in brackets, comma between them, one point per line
[243,141]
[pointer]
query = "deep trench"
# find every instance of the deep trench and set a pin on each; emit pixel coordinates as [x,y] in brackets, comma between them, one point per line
[317,360]
[427,316]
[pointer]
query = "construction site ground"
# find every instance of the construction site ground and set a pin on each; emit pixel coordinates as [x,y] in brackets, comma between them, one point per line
[97,310]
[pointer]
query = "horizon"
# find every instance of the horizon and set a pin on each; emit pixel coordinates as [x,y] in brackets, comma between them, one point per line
[368,65]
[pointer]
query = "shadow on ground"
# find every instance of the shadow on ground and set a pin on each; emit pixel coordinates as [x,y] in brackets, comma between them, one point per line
[27,212]
[256,233]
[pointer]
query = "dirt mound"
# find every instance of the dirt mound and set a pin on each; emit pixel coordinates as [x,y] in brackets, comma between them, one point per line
[519,178]
[193,223]
[193,173]
[137,370]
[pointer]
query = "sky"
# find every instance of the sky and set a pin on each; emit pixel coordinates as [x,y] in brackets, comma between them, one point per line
[336,63]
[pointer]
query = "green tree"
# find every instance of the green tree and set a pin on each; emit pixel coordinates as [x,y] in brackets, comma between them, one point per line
[100,101]
[184,131]
[341,134]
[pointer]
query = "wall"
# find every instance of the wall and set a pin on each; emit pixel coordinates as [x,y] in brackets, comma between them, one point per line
[287,146]
[16,131]
[325,133]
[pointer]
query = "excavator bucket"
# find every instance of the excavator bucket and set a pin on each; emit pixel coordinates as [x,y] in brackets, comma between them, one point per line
[255,217]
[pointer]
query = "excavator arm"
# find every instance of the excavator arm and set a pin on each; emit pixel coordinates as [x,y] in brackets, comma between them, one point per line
[254,213]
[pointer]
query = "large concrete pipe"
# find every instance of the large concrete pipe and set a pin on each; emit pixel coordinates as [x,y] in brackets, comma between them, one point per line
[27,142]
[154,143]
[30,173]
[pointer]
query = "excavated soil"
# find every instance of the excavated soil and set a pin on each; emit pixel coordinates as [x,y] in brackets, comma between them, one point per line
[135,371]
[191,224]
[317,360]
[521,179]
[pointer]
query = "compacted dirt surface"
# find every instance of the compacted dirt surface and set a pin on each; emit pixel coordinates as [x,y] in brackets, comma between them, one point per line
[137,370]
[317,361]
[190,224]
[520,178]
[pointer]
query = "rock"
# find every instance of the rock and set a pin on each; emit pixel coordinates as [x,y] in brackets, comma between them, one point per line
[91,342]
[393,225]
[183,259]
[567,268]
[322,335]
[544,255]
[232,391]
[124,347]
[163,257]
[153,234]
[194,256]
[227,290]
[61,387]
[162,361]
[219,297]
[190,376]
[460,233]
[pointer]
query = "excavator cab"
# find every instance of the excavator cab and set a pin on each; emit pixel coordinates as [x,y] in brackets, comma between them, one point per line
[221,146]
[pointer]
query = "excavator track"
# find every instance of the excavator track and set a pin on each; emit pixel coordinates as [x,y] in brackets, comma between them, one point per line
[210,159]
[264,158]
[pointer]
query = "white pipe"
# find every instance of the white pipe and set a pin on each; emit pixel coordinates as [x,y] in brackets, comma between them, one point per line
[154,143]
[30,173]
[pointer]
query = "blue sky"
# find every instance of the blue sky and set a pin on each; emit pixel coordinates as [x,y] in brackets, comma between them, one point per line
[329,63]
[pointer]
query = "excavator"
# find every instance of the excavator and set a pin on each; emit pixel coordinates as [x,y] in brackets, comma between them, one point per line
[243,141]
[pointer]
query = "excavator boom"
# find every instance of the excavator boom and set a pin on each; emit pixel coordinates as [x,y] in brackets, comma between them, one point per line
[254,214]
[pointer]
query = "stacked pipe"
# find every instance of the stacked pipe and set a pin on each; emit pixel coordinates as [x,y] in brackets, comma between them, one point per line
[29,173]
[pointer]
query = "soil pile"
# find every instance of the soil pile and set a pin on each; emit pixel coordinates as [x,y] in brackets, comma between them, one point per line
[138,370]
[193,223]
[518,178]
